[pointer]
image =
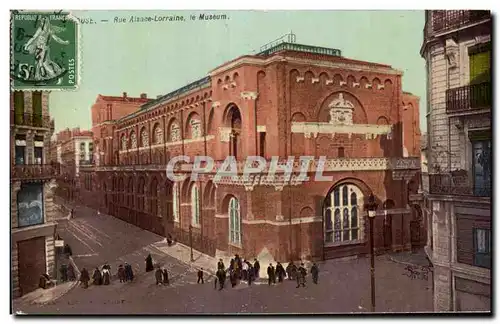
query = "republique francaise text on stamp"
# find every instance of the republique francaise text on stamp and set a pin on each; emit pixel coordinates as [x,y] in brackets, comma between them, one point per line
[44,51]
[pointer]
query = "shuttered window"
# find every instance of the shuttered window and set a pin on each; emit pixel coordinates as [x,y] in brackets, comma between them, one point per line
[480,64]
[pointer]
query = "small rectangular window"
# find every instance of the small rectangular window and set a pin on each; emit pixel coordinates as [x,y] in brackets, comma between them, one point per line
[341,152]
[262,141]
[38,155]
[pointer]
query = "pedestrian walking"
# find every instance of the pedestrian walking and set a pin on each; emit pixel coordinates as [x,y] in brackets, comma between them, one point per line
[159,276]
[71,273]
[315,273]
[301,276]
[280,272]
[220,265]
[250,274]
[244,270]
[121,273]
[256,266]
[221,278]
[84,278]
[149,263]
[290,269]
[64,272]
[165,277]
[97,277]
[106,278]
[270,274]
[129,274]
[200,276]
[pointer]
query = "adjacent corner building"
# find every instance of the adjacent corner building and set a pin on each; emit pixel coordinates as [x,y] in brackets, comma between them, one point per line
[31,190]
[457,48]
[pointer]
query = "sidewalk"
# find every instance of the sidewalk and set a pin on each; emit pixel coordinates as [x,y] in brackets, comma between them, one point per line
[418,258]
[44,296]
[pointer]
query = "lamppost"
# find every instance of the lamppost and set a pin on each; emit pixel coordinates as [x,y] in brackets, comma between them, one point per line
[371,206]
[191,241]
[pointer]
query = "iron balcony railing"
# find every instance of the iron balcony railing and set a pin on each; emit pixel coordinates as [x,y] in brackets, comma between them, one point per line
[443,20]
[34,171]
[459,184]
[469,97]
[300,48]
[30,119]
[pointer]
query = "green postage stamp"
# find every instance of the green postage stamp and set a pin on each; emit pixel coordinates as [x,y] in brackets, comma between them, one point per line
[44,51]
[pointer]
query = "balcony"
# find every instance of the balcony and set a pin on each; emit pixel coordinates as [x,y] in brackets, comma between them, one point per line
[34,171]
[469,98]
[30,120]
[458,184]
[446,20]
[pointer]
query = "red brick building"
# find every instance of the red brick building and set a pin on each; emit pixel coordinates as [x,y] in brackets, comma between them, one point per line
[289,100]
[104,111]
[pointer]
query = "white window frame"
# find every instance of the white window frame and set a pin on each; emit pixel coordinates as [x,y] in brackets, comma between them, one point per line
[175,202]
[195,205]
[359,205]
[234,212]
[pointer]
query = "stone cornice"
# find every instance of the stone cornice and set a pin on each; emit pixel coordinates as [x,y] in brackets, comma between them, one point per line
[308,128]
[308,62]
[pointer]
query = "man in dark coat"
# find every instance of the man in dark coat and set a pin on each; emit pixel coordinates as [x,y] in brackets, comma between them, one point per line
[97,277]
[200,276]
[256,266]
[121,273]
[270,274]
[315,273]
[159,276]
[71,273]
[250,274]
[301,276]
[221,278]
[129,274]
[149,263]
[291,269]
[84,278]
[64,272]
[280,272]
[165,277]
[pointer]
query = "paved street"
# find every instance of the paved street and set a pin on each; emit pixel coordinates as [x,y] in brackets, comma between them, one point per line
[344,284]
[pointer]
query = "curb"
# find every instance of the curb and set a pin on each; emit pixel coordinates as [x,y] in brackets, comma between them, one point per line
[395,260]
[75,283]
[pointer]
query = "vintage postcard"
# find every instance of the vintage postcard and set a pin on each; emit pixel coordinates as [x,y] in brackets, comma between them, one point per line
[250,162]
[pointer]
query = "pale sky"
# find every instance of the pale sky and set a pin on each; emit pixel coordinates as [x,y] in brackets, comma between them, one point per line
[156,58]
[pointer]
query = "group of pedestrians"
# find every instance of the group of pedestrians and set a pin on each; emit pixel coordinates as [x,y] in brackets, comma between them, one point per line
[103,276]
[241,269]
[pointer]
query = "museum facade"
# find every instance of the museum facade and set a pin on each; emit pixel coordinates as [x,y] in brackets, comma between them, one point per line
[289,100]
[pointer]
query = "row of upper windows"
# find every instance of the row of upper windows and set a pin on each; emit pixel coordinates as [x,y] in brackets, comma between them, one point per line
[36,102]
[174,135]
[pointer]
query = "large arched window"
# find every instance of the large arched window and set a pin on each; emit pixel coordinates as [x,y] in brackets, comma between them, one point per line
[175,199]
[133,140]
[144,137]
[342,214]
[124,143]
[195,128]
[158,134]
[195,205]
[234,221]
[175,133]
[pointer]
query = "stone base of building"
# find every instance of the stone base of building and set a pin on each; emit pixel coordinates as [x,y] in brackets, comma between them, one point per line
[33,254]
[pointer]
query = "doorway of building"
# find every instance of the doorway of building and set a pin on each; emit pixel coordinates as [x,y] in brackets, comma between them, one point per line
[31,263]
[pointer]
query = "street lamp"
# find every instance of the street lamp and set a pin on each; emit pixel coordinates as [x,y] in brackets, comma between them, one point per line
[191,240]
[371,206]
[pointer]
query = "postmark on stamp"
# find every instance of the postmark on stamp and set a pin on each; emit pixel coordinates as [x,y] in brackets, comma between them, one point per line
[44,51]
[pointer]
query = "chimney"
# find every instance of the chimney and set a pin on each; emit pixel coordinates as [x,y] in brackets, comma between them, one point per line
[144,95]
[124,95]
